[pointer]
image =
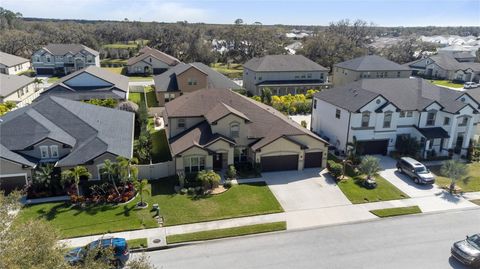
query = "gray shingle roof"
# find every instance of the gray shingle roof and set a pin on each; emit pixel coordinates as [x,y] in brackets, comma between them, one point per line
[371,63]
[62,49]
[117,89]
[90,130]
[11,60]
[265,123]
[147,51]
[448,62]
[14,157]
[404,93]
[167,81]
[283,63]
[11,83]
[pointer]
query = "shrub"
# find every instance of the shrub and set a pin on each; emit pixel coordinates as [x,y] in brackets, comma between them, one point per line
[303,123]
[191,191]
[231,172]
[209,179]
[199,190]
[335,169]
[227,184]
[183,191]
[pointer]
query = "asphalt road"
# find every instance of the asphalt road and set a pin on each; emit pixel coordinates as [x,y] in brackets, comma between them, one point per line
[420,241]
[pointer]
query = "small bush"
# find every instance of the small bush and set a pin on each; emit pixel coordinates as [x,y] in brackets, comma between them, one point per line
[335,169]
[191,191]
[183,191]
[231,172]
[227,184]
[199,190]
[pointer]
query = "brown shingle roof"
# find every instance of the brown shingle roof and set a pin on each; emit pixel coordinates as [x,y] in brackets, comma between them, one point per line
[283,63]
[11,60]
[147,51]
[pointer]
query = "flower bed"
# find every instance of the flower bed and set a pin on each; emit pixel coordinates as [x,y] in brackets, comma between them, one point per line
[103,193]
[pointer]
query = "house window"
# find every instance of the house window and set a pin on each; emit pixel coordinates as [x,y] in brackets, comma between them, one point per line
[194,164]
[297,76]
[402,114]
[89,59]
[387,120]
[234,130]
[464,121]
[54,151]
[409,114]
[303,75]
[181,123]
[398,74]
[259,78]
[37,59]
[192,81]
[337,113]
[44,152]
[365,119]
[446,121]
[48,59]
[314,103]
[309,75]
[431,118]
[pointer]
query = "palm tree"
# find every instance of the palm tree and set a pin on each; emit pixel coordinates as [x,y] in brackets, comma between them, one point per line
[455,171]
[142,187]
[73,175]
[127,168]
[370,165]
[44,174]
[110,170]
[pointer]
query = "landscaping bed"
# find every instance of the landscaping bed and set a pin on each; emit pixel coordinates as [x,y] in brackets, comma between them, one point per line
[396,211]
[470,183]
[230,232]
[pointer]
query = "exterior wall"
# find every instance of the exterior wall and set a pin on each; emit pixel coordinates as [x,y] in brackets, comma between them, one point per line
[161,97]
[194,152]
[281,147]
[189,122]
[343,76]
[325,124]
[149,62]
[15,69]
[94,168]
[9,167]
[35,152]
[85,79]
[22,96]
[223,147]
[192,73]
[314,145]
[223,127]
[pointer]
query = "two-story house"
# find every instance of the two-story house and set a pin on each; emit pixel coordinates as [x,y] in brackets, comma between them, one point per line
[18,89]
[186,78]
[12,64]
[150,61]
[375,112]
[63,59]
[64,133]
[214,128]
[283,74]
[451,66]
[90,83]
[365,67]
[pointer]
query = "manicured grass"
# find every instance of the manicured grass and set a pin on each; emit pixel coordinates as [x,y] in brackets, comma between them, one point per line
[137,97]
[160,149]
[396,211]
[230,232]
[468,184]
[120,46]
[357,194]
[151,97]
[476,201]
[140,78]
[116,70]
[137,243]
[109,61]
[447,83]
[232,71]
[53,79]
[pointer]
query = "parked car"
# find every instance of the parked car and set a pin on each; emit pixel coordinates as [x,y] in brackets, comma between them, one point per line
[470,85]
[468,251]
[416,170]
[119,247]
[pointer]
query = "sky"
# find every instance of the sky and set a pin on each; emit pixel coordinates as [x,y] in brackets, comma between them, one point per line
[289,12]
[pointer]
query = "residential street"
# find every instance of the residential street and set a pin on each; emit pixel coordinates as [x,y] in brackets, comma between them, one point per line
[421,241]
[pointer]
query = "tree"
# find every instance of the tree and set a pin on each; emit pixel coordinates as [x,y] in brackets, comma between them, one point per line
[231,172]
[43,175]
[73,176]
[267,96]
[110,171]
[238,21]
[128,106]
[127,169]
[142,188]
[370,165]
[209,179]
[407,146]
[7,106]
[455,171]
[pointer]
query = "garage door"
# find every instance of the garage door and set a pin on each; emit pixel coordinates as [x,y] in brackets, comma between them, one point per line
[279,163]
[44,71]
[373,147]
[313,159]
[10,183]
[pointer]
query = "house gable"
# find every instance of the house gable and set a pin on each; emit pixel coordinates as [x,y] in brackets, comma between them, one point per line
[192,79]
[85,79]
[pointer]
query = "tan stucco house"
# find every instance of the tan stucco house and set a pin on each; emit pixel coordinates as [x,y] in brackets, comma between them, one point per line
[12,64]
[214,128]
[150,61]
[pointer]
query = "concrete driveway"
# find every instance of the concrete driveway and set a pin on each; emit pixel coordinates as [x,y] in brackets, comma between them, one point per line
[303,190]
[404,182]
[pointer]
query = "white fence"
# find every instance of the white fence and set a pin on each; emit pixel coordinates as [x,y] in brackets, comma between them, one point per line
[156,170]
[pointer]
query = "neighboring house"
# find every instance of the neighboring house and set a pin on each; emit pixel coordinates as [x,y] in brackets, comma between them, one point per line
[283,74]
[186,78]
[62,59]
[375,112]
[214,128]
[64,133]
[18,89]
[452,66]
[12,64]
[90,83]
[150,61]
[365,67]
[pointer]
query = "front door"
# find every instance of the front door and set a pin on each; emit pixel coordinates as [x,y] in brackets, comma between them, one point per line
[217,161]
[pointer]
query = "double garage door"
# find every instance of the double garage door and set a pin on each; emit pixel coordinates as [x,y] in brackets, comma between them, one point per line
[290,162]
[44,71]
[373,147]
[10,183]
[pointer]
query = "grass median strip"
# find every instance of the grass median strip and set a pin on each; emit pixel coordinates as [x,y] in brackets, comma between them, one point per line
[137,243]
[230,232]
[396,211]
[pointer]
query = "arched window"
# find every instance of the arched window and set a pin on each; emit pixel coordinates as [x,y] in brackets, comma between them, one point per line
[365,119]
[234,130]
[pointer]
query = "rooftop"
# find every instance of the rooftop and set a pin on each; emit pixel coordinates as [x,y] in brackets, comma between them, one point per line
[11,83]
[11,60]
[283,63]
[371,63]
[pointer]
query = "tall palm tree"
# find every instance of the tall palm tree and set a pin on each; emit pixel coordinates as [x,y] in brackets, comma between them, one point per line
[73,175]
[44,174]
[127,168]
[110,170]
[455,171]
[142,188]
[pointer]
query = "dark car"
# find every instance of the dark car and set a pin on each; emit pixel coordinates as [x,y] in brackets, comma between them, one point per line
[416,170]
[118,246]
[468,251]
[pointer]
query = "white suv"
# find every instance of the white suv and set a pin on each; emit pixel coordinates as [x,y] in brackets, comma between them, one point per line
[470,85]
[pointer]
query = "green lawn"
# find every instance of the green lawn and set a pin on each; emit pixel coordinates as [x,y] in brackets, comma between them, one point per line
[151,97]
[140,78]
[232,71]
[109,61]
[230,232]
[160,149]
[137,243]
[137,97]
[468,184]
[357,194]
[53,79]
[446,83]
[120,46]
[239,201]
[396,211]
[116,70]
